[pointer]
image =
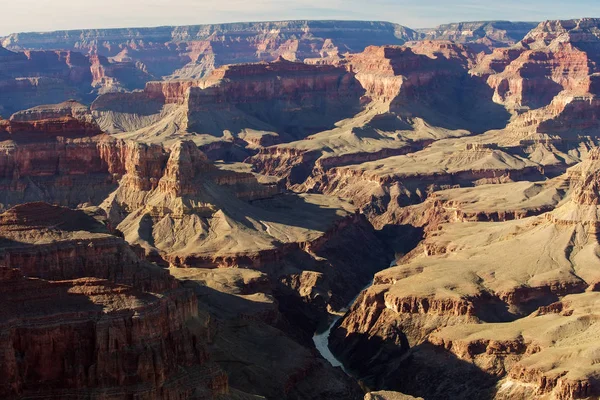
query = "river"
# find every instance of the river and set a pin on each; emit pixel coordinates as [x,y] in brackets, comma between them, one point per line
[321,336]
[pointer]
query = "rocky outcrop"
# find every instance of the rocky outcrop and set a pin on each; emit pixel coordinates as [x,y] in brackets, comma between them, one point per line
[534,78]
[41,77]
[32,78]
[84,315]
[480,36]
[388,395]
[548,80]
[529,364]
[313,97]
[186,52]
[424,318]
[419,81]
[111,76]
[289,99]
[69,119]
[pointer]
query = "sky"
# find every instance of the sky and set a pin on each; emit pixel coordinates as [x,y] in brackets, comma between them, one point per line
[48,15]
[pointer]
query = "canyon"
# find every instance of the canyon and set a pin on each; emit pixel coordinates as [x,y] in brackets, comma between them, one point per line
[182,209]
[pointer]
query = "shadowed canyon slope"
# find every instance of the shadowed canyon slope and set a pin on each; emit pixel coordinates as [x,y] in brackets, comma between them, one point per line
[198,202]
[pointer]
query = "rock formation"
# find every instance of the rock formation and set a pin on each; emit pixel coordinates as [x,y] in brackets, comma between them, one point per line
[480,36]
[178,208]
[223,216]
[244,105]
[33,78]
[83,315]
[536,259]
[194,51]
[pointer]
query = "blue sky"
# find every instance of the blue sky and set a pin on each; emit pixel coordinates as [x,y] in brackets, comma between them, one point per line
[45,15]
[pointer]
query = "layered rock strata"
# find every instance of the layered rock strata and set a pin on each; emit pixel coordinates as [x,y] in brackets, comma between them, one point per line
[83,315]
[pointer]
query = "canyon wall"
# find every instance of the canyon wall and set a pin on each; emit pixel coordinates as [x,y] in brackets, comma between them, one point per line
[116,325]
[193,51]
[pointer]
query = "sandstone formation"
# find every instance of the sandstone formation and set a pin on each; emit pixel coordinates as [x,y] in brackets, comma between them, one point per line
[193,51]
[536,257]
[235,210]
[69,119]
[33,78]
[480,35]
[82,315]
[547,83]
[246,105]
[186,211]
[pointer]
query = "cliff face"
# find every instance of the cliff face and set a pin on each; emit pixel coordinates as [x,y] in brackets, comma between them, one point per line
[150,193]
[40,77]
[548,80]
[294,98]
[111,75]
[480,35]
[177,208]
[85,315]
[31,78]
[534,78]
[451,316]
[193,51]
[419,81]
[68,119]
[280,100]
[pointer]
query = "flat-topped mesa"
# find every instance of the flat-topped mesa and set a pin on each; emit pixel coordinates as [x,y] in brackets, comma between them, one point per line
[441,49]
[285,97]
[170,92]
[281,80]
[69,119]
[273,94]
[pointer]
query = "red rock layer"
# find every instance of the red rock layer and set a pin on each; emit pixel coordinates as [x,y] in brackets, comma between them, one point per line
[82,315]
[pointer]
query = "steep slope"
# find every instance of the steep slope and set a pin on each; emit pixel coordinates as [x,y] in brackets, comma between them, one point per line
[244,105]
[480,36]
[547,82]
[193,51]
[468,276]
[33,78]
[83,315]
[411,99]
[177,208]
